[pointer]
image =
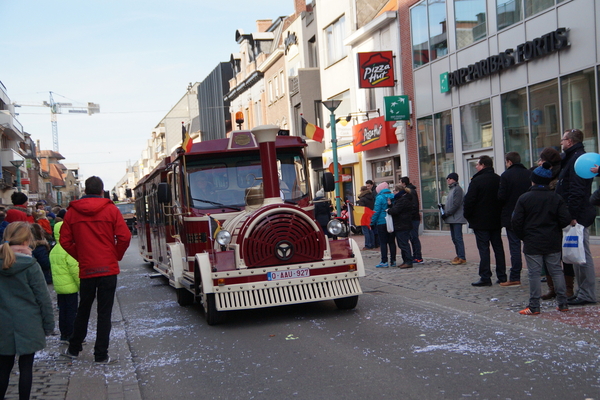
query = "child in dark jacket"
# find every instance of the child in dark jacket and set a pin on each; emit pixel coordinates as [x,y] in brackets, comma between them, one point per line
[538,219]
[41,250]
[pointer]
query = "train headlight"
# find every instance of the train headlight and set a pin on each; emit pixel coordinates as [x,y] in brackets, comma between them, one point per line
[335,227]
[223,237]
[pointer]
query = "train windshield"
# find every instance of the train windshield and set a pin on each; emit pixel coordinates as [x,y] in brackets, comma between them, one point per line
[224,182]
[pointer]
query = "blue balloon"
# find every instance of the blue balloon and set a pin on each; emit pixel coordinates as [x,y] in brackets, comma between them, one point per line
[585,162]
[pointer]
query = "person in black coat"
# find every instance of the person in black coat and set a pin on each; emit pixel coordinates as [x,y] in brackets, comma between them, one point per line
[366,199]
[323,210]
[576,191]
[513,183]
[401,209]
[415,217]
[538,220]
[482,210]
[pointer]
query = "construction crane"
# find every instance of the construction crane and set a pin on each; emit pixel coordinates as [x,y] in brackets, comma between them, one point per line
[57,108]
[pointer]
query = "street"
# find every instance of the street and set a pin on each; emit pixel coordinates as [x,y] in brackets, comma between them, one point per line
[399,343]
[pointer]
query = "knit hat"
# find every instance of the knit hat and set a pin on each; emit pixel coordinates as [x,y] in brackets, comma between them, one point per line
[453,175]
[61,213]
[542,175]
[381,186]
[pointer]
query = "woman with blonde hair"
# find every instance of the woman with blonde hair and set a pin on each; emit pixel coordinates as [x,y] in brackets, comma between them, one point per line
[26,315]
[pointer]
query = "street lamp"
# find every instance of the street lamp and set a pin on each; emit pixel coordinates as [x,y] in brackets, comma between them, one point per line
[17,164]
[332,105]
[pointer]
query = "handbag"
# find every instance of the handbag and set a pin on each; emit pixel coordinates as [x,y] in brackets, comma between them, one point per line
[389,222]
[572,245]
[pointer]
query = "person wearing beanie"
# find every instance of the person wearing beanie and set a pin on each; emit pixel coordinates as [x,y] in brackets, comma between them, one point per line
[323,210]
[513,183]
[386,239]
[453,216]
[18,211]
[415,218]
[538,220]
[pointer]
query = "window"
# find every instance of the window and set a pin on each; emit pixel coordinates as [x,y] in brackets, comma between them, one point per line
[579,106]
[515,125]
[276,85]
[476,125]
[470,21]
[508,12]
[436,160]
[544,117]
[313,53]
[271,93]
[282,82]
[428,31]
[334,37]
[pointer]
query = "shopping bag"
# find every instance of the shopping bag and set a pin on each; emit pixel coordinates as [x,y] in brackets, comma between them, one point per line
[389,222]
[572,247]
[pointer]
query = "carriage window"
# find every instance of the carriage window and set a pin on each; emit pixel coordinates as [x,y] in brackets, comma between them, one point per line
[249,173]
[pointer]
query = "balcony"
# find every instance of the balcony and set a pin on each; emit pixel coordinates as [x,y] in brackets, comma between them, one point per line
[8,155]
[11,126]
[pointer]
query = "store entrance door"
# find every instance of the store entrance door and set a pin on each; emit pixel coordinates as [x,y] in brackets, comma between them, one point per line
[470,163]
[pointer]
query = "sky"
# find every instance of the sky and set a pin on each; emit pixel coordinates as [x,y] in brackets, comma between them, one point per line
[133,58]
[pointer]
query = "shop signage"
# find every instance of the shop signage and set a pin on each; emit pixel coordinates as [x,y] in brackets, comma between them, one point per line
[373,134]
[530,50]
[376,69]
[397,108]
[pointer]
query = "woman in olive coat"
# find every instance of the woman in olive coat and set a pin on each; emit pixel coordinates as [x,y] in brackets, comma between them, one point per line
[26,315]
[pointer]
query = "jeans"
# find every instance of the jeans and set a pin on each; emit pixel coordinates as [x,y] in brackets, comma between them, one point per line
[457,238]
[25,374]
[516,259]
[104,287]
[386,239]
[534,268]
[402,237]
[369,237]
[484,238]
[67,310]
[584,273]
[415,241]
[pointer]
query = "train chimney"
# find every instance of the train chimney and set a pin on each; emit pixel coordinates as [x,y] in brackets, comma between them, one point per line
[265,136]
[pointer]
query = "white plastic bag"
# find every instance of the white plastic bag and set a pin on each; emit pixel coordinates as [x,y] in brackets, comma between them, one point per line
[572,247]
[389,222]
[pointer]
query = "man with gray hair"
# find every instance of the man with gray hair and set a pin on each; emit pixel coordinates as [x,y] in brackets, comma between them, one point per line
[576,192]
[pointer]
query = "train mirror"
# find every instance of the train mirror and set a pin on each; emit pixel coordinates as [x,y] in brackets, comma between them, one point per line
[163,193]
[328,182]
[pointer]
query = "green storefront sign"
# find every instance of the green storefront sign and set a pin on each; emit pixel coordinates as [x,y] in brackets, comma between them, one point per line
[397,108]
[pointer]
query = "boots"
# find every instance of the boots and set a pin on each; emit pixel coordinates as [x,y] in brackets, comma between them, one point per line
[569,282]
[551,294]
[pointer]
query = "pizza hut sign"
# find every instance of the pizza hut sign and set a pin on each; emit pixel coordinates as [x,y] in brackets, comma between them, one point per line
[376,69]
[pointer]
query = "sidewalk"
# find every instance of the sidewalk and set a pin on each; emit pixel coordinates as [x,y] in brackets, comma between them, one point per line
[435,282]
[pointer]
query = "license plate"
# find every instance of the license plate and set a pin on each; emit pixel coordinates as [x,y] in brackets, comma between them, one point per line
[290,274]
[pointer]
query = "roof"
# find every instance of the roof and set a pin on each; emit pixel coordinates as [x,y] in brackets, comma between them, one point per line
[51,154]
[56,175]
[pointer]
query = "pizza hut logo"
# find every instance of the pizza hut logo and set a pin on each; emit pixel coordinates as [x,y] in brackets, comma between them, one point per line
[376,69]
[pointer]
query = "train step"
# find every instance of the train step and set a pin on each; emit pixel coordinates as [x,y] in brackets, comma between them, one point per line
[154,276]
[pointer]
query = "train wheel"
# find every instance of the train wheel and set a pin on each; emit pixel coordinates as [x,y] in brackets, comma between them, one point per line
[184,297]
[346,303]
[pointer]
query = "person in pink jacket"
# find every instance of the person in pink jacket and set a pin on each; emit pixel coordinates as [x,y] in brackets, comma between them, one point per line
[95,234]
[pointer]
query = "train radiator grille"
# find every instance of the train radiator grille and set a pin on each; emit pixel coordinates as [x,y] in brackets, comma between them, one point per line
[292,294]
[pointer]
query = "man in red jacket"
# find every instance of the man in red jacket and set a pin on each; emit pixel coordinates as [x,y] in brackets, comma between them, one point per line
[18,211]
[96,235]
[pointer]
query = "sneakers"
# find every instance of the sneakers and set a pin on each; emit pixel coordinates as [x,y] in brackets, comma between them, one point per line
[67,354]
[458,261]
[107,360]
[393,264]
[562,308]
[530,311]
[510,283]
[418,261]
[381,265]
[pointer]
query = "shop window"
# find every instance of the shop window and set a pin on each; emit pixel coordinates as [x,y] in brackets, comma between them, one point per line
[476,125]
[429,31]
[544,117]
[579,106]
[470,17]
[535,6]
[514,123]
[436,159]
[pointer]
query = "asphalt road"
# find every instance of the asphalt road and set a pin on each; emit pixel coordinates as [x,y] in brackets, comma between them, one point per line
[391,346]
